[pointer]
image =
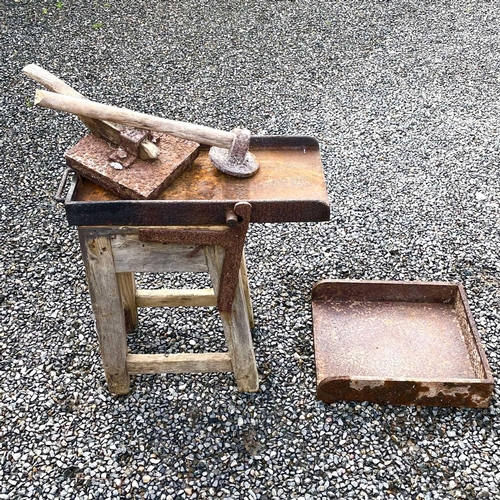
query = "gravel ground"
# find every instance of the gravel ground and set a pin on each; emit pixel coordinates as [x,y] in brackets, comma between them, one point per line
[403,96]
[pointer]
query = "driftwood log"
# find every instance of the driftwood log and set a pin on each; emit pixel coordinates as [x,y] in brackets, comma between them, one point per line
[95,110]
[101,128]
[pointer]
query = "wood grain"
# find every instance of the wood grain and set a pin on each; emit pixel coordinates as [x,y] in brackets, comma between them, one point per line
[179,363]
[132,255]
[126,283]
[246,290]
[108,310]
[175,298]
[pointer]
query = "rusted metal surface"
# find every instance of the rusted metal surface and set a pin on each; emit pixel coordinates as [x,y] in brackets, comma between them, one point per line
[398,343]
[289,187]
[131,139]
[130,146]
[143,179]
[124,158]
[231,238]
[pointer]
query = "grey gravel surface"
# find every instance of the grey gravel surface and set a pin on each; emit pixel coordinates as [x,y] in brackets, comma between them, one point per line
[402,95]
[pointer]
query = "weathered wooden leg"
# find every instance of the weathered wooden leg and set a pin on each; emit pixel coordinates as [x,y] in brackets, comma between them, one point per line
[246,290]
[126,283]
[236,326]
[108,309]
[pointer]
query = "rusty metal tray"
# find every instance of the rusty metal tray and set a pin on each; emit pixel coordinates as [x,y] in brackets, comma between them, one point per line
[289,187]
[401,343]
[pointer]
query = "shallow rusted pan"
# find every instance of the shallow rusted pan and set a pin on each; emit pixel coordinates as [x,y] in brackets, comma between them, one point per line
[401,343]
[289,187]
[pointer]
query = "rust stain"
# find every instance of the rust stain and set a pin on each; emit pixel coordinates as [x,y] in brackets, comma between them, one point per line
[398,343]
[289,186]
[405,392]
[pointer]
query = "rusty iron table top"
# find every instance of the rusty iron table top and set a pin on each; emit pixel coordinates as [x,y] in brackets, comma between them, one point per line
[289,187]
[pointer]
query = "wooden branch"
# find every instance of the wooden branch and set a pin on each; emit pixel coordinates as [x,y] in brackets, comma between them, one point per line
[175,298]
[179,363]
[183,130]
[50,81]
[106,130]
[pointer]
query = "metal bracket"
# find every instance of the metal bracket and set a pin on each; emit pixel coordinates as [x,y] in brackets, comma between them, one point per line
[129,147]
[62,184]
[231,238]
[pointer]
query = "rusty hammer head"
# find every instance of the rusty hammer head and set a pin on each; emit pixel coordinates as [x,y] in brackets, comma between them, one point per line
[237,160]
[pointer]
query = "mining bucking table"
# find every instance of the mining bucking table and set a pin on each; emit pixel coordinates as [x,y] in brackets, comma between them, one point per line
[198,223]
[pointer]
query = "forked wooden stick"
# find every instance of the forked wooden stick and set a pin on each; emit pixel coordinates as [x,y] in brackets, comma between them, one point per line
[182,130]
[109,131]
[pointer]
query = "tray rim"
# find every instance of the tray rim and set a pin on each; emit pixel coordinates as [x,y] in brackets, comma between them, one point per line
[319,208]
[403,283]
[324,394]
[480,382]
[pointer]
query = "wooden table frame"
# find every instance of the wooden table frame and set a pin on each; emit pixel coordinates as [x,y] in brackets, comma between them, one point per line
[111,255]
